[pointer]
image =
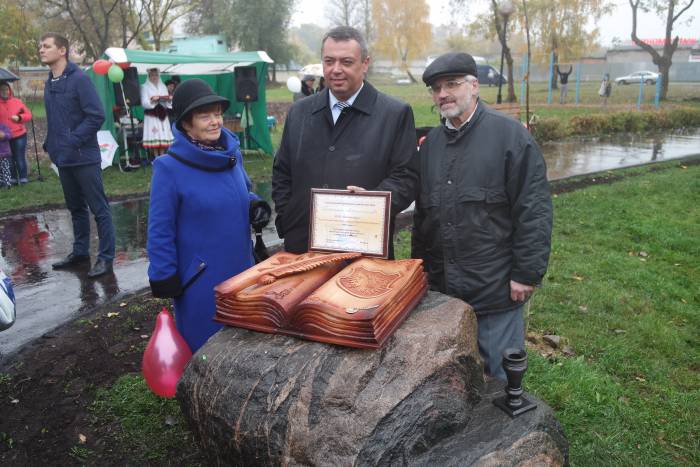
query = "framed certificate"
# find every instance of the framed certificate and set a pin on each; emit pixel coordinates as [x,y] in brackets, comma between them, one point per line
[350,221]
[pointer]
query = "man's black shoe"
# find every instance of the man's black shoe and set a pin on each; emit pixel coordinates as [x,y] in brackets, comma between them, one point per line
[70,261]
[101,267]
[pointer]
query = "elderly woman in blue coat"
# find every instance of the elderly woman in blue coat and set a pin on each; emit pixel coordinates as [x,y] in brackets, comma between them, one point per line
[200,210]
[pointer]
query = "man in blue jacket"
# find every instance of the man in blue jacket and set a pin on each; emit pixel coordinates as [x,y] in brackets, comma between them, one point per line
[74,115]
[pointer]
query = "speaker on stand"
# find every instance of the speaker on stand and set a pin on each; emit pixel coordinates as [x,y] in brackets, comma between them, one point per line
[246,92]
[128,94]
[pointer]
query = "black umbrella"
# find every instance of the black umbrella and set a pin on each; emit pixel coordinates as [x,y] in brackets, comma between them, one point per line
[7,75]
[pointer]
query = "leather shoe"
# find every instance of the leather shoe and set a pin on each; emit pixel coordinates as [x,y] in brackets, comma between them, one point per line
[101,267]
[70,261]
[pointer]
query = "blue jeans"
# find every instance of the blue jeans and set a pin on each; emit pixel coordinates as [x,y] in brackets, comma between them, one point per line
[83,189]
[496,333]
[18,146]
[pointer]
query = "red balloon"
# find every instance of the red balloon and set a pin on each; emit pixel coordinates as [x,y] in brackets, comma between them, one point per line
[124,65]
[165,357]
[101,66]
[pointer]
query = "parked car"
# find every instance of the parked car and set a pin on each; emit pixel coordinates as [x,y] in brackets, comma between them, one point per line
[489,75]
[649,77]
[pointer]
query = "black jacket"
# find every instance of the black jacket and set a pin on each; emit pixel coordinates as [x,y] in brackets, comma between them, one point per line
[483,212]
[372,145]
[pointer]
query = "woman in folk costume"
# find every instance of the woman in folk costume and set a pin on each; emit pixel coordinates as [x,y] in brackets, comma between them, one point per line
[157,135]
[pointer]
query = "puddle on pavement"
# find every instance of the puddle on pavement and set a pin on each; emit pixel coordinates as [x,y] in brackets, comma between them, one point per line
[30,243]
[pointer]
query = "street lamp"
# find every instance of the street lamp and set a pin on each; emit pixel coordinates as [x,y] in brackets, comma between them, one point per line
[505,8]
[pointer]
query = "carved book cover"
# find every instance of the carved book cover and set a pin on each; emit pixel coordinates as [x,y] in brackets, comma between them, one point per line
[339,298]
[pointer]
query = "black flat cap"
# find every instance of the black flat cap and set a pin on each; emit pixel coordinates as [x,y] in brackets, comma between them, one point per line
[450,64]
[193,93]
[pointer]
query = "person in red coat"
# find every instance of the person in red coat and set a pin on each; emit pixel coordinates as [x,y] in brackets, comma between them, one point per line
[13,114]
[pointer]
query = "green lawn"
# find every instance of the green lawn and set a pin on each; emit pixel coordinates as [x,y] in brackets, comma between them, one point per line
[622,290]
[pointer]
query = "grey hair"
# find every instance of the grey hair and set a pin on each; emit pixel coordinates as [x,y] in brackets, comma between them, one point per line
[347,33]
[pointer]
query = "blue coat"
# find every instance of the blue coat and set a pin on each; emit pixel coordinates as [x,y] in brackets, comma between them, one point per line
[198,230]
[74,115]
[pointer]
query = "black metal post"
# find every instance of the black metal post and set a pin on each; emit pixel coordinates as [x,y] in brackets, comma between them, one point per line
[36,153]
[36,149]
[503,52]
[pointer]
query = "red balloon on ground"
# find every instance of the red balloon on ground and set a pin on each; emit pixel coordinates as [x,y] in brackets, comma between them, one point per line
[124,65]
[165,357]
[101,66]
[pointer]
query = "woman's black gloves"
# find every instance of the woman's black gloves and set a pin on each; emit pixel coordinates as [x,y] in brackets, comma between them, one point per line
[260,212]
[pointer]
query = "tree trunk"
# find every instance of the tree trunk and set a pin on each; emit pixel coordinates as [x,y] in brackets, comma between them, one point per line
[511,85]
[410,76]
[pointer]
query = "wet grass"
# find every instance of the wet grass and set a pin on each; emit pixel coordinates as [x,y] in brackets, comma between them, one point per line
[146,427]
[622,291]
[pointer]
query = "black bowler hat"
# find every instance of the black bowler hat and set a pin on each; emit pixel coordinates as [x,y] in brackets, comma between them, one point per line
[193,93]
[450,64]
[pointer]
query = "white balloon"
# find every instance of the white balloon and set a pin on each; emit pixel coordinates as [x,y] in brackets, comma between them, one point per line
[294,84]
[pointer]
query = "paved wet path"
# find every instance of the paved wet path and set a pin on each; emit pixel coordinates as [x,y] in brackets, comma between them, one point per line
[29,243]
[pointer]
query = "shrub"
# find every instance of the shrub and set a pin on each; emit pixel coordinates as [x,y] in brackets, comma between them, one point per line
[548,129]
[629,122]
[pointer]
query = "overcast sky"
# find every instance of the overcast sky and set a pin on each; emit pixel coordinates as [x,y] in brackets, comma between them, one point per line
[618,24]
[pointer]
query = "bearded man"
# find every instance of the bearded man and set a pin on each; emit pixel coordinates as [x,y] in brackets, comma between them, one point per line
[483,217]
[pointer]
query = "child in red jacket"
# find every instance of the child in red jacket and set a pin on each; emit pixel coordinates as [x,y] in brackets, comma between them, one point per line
[13,114]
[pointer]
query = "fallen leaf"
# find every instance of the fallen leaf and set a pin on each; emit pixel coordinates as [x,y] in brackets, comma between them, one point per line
[642,259]
[583,308]
[684,300]
[14,401]
[82,439]
[619,331]
[643,254]
[577,277]
[684,167]
[144,336]
[640,379]
[136,329]
[122,304]
[96,326]
[112,314]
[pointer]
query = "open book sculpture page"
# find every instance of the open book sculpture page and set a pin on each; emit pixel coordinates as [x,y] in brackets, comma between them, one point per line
[338,298]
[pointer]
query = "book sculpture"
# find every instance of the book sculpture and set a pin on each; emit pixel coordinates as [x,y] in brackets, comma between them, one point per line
[321,297]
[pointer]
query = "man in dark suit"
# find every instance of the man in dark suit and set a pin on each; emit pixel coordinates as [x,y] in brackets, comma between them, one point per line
[349,136]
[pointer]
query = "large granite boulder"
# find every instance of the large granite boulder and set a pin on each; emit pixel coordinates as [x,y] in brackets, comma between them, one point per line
[261,399]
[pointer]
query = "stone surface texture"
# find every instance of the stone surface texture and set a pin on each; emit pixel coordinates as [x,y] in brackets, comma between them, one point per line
[262,399]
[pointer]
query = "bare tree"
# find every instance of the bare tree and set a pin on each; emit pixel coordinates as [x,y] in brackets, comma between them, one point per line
[95,24]
[342,12]
[498,22]
[160,15]
[662,61]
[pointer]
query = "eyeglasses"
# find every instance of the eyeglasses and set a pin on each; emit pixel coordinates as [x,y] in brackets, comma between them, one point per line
[449,86]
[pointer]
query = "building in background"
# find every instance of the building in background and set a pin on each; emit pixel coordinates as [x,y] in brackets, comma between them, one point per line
[211,44]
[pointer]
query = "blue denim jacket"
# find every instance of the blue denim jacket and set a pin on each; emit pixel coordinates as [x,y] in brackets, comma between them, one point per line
[74,114]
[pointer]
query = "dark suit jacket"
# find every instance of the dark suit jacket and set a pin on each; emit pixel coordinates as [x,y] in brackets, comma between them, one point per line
[372,145]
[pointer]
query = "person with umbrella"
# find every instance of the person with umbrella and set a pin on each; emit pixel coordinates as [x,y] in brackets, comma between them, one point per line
[13,114]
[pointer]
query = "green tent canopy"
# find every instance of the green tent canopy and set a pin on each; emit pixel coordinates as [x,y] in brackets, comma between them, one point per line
[215,69]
